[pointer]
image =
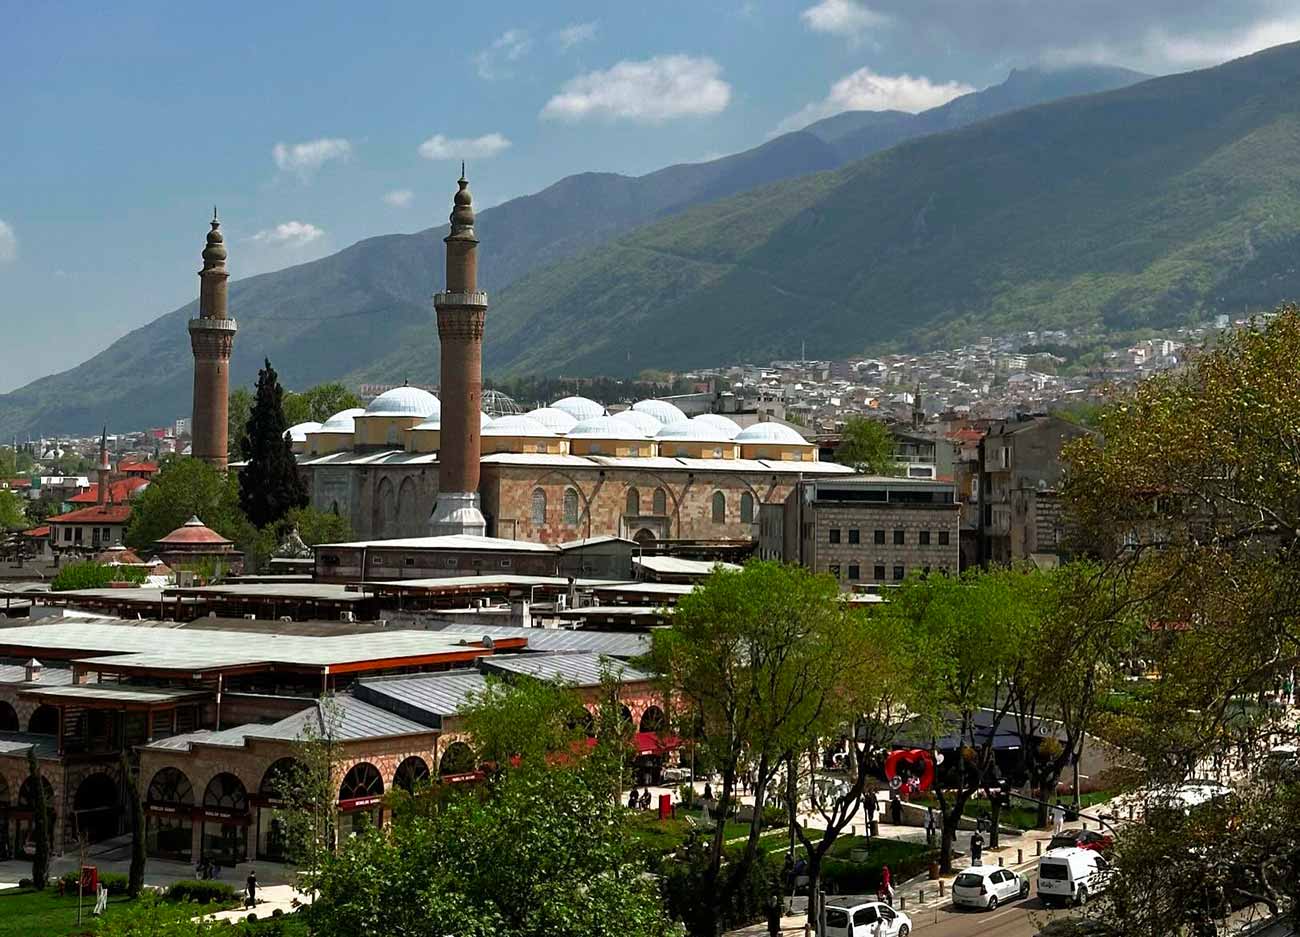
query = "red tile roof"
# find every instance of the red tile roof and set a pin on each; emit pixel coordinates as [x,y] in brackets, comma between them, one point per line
[98,514]
[119,490]
[37,532]
[193,532]
[15,483]
[146,467]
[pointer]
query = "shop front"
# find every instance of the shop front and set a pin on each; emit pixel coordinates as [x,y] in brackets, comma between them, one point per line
[169,816]
[225,819]
[361,800]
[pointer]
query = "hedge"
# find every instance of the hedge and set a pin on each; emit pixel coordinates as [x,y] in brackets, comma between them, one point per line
[203,892]
[115,882]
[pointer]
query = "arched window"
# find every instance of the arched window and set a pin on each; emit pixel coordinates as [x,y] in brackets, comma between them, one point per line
[44,721]
[660,502]
[362,781]
[385,509]
[633,502]
[97,808]
[653,720]
[539,507]
[719,508]
[8,718]
[280,777]
[409,520]
[169,832]
[170,786]
[226,792]
[570,506]
[457,759]
[411,773]
[746,508]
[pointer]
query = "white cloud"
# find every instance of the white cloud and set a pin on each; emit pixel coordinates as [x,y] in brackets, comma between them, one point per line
[651,91]
[484,147]
[864,90]
[510,46]
[846,18]
[575,34]
[290,234]
[399,198]
[1158,50]
[8,243]
[307,157]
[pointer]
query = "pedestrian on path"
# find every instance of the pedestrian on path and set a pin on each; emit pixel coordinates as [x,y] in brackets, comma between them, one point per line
[976,847]
[896,808]
[887,885]
[708,791]
[870,803]
[1058,818]
[773,916]
[252,888]
[929,826]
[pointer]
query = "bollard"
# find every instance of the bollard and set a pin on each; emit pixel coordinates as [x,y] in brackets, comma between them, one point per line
[920,896]
[1038,848]
[999,862]
[940,889]
[902,902]
[1085,824]
[1020,856]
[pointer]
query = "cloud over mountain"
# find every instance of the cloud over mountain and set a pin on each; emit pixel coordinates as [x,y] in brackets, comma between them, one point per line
[648,91]
[439,146]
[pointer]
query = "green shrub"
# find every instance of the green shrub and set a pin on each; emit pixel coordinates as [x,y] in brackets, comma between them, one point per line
[841,875]
[90,575]
[775,816]
[115,882]
[201,892]
[697,908]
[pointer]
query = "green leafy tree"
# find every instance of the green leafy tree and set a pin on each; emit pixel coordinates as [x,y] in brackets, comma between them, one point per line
[40,823]
[308,792]
[269,483]
[318,404]
[12,515]
[868,447]
[180,490]
[318,526]
[91,575]
[240,405]
[523,722]
[153,916]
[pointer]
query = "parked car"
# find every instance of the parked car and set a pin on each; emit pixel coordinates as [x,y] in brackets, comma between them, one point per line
[1071,876]
[1083,839]
[859,919]
[985,886]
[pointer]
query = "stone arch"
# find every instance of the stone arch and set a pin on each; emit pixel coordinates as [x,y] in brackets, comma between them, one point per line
[385,508]
[44,720]
[8,718]
[226,792]
[645,537]
[282,773]
[411,774]
[718,508]
[224,833]
[653,720]
[626,714]
[97,807]
[659,502]
[409,520]
[457,758]
[170,786]
[746,508]
[363,780]
[538,516]
[633,506]
[4,792]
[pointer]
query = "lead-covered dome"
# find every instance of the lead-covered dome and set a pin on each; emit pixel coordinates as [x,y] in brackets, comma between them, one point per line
[342,422]
[435,422]
[606,427]
[404,401]
[580,408]
[641,420]
[663,411]
[517,424]
[298,432]
[771,433]
[690,431]
[553,418]
[727,425]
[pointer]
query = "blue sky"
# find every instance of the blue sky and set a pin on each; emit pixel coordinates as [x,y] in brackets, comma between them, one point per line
[313,125]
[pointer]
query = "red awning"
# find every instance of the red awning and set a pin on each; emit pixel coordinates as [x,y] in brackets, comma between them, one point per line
[650,743]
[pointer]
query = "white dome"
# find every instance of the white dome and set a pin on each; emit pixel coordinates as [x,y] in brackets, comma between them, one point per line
[690,431]
[517,424]
[435,422]
[641,420]
[404,401]
[606,427]
[726,424]
[553,418]
[298,432]
[341,422]
[580,408]
[663,411]
[771,433]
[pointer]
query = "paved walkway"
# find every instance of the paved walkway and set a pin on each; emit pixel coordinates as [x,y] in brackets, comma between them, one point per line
[270,899]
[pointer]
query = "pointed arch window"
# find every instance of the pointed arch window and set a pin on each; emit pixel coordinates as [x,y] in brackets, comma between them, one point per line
[746,508]
[570,506]
[539,507]
[719,508]
[660,502]
[633,502]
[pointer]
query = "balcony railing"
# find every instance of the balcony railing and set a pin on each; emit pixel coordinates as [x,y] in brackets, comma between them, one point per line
[216,325]
[475,298]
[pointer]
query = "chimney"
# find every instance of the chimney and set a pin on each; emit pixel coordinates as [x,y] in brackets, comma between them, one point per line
[33,671]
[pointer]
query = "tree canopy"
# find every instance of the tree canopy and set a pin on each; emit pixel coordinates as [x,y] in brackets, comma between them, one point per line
[868,447]
[318,404]
[12,513]
[182,489]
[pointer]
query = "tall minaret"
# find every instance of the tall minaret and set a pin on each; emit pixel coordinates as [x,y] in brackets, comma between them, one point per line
[212,335]
[461,308]
[103,470]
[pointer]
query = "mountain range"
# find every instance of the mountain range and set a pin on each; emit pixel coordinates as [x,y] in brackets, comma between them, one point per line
[1157,200]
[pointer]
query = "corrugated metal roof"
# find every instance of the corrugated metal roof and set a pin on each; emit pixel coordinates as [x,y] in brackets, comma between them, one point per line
[556,640]
[113,691]
[17,743]
[50,676]
[679,567]
[583,670]
[424,695]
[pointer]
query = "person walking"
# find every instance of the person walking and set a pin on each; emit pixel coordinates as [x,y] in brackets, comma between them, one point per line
[708,792]
[632,798]
[886,885]
[252,888]
[896,808]
[871,804]
[929,826]
[774,916]
[976,847]
[1058,818]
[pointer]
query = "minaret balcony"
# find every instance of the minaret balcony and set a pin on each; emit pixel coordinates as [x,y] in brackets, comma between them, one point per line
[475,298]
[203,324]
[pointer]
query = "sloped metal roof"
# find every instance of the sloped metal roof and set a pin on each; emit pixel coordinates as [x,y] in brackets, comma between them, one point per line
[582,670]
[608,643]
[428,698]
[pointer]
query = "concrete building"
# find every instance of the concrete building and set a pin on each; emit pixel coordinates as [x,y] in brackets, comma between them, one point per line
[212,337]
[865,530]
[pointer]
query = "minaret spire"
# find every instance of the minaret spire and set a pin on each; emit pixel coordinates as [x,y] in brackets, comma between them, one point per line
[103,470]
[212,337]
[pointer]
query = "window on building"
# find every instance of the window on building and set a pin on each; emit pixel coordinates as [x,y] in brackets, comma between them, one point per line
[943,538]
[719,508]
[660,502]
[835,535]
[539,507]
[746,508]
[878,573]
[570,506]
[595,447]
[409,560]
[67,533]
[898,538]
[834,570]
[880,538]
[506,563]
[923,538]
[633,502]
[854,536]
[899,573]
[633,450]
[855,572]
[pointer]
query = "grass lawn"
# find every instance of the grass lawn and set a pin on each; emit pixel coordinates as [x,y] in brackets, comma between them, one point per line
[1022,816]
[24,913]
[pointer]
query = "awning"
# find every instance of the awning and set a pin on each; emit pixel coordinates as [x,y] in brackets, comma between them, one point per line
[651,743]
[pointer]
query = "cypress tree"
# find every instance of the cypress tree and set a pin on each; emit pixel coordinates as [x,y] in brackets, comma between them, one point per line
[40,823]
[269,483]
[131,784]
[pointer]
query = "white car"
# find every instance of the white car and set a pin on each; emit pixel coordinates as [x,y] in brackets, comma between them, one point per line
[985,886]
[1071,876]
[859,920]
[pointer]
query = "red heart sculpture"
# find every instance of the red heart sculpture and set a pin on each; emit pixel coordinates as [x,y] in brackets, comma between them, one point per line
[915,764]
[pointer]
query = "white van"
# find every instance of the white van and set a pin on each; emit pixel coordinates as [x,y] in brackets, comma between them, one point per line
[1071,876]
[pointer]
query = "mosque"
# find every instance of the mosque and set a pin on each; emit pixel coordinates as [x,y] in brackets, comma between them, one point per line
[412,465]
